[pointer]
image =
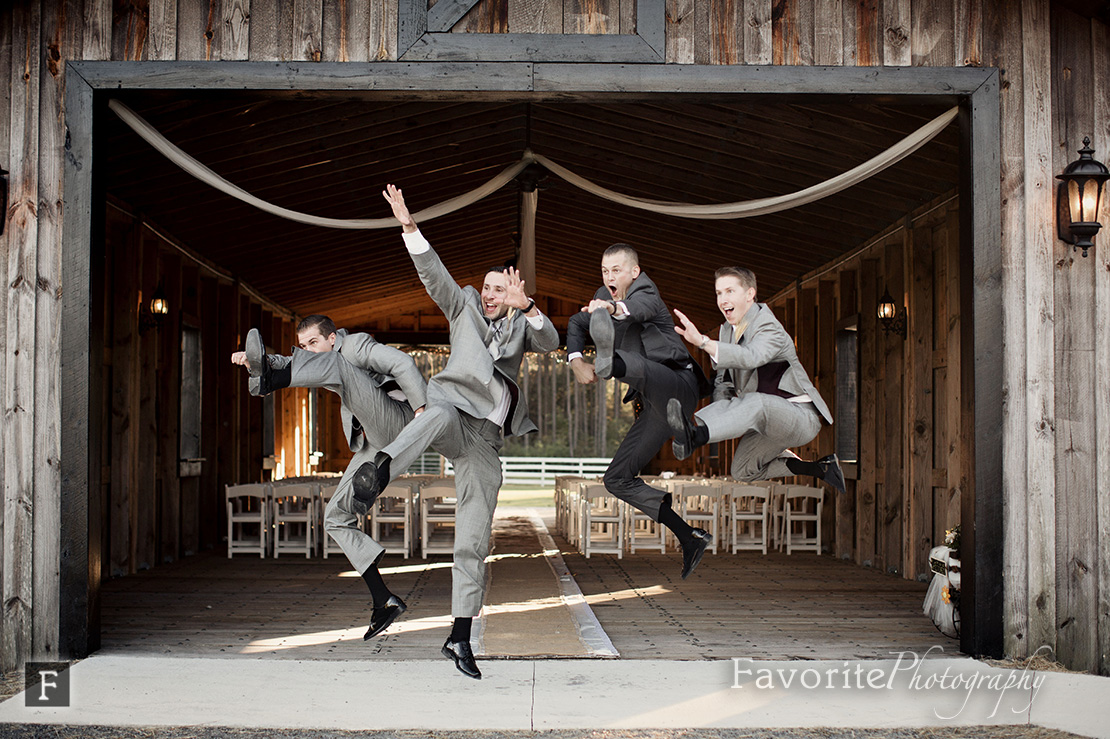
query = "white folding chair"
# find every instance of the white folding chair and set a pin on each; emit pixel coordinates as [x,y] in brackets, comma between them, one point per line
[749,517]
[328,545]
[437,517]
[701,504]
[248,506]
[803,507]
[601,521]
[295,519]
[395,507]
[643,531]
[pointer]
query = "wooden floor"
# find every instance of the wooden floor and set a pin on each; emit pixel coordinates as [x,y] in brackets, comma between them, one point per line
[802,606]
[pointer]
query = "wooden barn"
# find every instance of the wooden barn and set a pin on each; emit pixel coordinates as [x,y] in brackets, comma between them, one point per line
[121,427]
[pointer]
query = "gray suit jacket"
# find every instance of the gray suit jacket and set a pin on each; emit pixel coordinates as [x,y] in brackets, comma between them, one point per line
[763,361]
[466,381]
[384,365]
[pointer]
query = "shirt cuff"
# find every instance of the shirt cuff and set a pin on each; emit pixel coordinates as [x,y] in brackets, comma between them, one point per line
[537,322]
[622,313]
[415,242]
[573,356]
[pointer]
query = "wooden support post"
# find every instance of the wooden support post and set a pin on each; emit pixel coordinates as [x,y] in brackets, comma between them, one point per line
[212,510]
[190,486]
[825,380]
[919,400]
[868,412]
[169,411]
[891,431]
[145,500]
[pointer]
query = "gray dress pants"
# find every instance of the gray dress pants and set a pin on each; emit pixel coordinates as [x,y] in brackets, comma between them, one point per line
[382,419]
[473,446]
[766,425]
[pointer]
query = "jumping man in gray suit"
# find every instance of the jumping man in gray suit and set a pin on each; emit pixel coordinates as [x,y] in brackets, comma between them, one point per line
[762,394]
[379,387]
[471,404]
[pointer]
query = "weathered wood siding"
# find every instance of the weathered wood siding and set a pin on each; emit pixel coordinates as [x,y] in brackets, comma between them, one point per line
[1055,87]
[905,490]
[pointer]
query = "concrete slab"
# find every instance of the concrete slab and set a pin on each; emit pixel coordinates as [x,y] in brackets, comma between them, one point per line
[525,695]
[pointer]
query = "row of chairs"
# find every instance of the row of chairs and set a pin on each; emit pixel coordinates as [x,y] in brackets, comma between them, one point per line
[751,516]
[285,517]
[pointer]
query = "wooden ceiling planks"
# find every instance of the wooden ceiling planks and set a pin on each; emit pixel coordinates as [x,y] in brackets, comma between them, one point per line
[331,157]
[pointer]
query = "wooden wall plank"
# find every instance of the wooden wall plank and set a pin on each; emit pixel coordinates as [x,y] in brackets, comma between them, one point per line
[932,42]
[889,545]
[825,381]
[234,33]
[231,381]
[757,32]
[271,31]
[145,500]
[194,30]
[19,382]
[862,45]
[968,33]
[308,30]
[1040,480]
[346,31]
[792,32]
[125,393]
[1076,519]
[960,410]
[1002,49]
[919,404]
[169,400]
[680,32]
[129,30]
[212,496]
[190,486]
[1100,53]
[161,39]
[724,32]
[97,30]
[828,32]
[6,18]
[896,24]
[847,308]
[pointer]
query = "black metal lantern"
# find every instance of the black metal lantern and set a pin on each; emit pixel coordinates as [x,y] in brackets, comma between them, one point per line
[891,318]
[1078,198]
[157,310]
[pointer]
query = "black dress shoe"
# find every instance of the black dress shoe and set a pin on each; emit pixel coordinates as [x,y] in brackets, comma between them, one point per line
[256,353]
[382,617]
[366,486]
[693,552]
[831,472]
[604,336]
[682,427]
[463,656]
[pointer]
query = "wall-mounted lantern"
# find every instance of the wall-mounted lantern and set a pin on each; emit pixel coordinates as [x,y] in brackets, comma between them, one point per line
[157,310]
[1078,197]
[891,318]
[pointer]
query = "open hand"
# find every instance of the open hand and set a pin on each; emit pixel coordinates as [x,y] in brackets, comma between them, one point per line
[599,304]
[688,330]
[515,297]
[396,200]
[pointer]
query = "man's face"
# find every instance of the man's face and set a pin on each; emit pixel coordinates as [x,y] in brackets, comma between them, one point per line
[314,341]
[617,275]
[494,290]
[733,298]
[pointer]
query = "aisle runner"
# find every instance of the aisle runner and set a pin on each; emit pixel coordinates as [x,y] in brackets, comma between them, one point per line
[533,607]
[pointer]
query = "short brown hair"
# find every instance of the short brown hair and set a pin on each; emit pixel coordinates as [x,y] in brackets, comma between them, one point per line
[322,323]
[745,275]
[628,252]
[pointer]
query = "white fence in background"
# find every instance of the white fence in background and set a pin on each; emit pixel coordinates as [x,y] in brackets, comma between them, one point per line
[533,470]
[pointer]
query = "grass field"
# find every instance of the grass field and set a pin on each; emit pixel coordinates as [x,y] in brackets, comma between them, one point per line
[526,496]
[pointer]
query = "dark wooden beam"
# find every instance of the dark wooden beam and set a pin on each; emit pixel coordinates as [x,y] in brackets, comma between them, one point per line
[981,367]
[81,341]
[518,47]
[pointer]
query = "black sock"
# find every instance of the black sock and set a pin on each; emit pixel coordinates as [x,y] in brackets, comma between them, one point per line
[620,369]
[700,437]
[802,467]
[460,630]
[378,591]
[672,521]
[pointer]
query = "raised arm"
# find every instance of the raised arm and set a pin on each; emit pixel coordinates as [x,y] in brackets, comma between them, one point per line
[762,346]
[364,352]
[437,280]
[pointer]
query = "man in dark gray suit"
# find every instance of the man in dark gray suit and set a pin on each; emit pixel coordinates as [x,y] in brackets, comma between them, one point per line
[762,394]
[634,335]
[471,404]
[380,389]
